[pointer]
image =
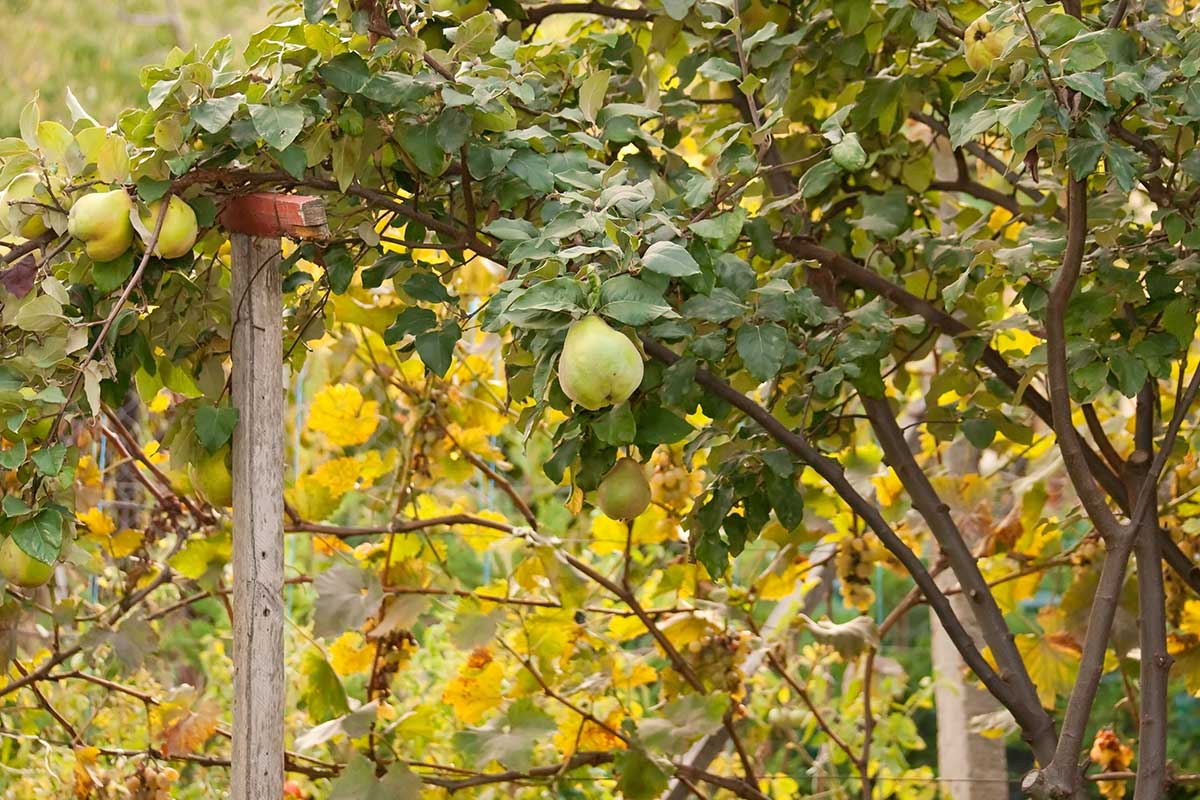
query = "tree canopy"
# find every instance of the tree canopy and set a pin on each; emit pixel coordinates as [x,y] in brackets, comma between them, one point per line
[908,311]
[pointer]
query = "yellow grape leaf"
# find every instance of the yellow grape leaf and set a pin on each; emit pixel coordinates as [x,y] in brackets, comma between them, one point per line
[87,473]
[479,537]
[1053,662]
[624,629]
[185,723]
[351,654]
[888,488]
[339,476]
[310,499]
[585,736]
[778,585]
[638,674]
[608,535]
[200,552]
[124,543]
[341,413]
[85,780]
[474,691]
[1189,620]
[683,629]
[98,523]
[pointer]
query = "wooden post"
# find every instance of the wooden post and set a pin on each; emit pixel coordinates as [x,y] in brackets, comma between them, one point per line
[257,221]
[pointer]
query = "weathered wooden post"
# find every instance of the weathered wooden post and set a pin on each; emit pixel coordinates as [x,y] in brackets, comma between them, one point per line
[257,222]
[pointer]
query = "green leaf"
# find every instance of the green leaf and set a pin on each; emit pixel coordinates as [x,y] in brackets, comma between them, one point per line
[720,70]
[109,275]
[669,258]
[346,72]
[592,93]
[1090,84]
[13,506]
[762,348]
[436,348]
[214,426]
[40,537]
[413,319]
[509,738]
[426,286]
[720,305]
[564,455]
[49,460]
[421,144]
[14,456]
[215,113]
[1129,371]
[314,10]
[656,425]
[818,177]
[639,777]
[631,301]
[723,229]
[548,304]
[394,89]
[979,432]
[358,782]
[682,721]
[339,269]
[475,36]
[617,427]
[1020,116]
[785,499]
[321,691]
[346,596]
[277,125]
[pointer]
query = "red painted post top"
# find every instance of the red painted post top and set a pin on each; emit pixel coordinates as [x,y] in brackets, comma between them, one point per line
[272,215]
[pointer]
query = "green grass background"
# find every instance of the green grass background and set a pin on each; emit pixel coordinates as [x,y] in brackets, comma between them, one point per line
[97,47]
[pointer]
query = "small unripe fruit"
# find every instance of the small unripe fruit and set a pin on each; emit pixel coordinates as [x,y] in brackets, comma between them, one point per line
[17,566]
[101,220]
[599,366]
[20,568]
[849,154]
[624,493]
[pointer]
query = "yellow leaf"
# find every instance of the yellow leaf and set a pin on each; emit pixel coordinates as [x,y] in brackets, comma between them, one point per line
[474,691]
[161,401]
[310,499]
[124,543]
[479,537]
[638,674]
[351,654]
[97,522]
[1052,660]
[87,473]
[341,413]
[339,476]
[585,736]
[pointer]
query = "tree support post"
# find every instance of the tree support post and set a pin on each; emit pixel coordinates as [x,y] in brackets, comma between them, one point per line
[257,222]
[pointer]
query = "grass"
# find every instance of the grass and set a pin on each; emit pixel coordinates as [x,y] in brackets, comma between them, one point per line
[97,47]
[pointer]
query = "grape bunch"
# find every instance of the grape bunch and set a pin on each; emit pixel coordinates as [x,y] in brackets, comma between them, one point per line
[672,484]
[395,650]
[856,560]
[149,782]
[717,660]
